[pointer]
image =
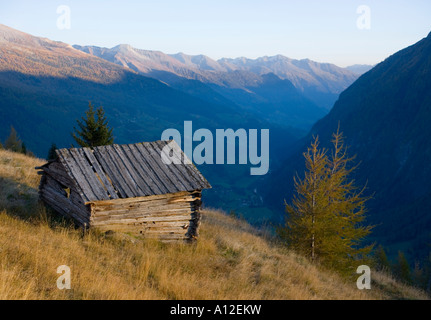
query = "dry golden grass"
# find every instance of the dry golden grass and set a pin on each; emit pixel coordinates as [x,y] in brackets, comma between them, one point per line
[229,261]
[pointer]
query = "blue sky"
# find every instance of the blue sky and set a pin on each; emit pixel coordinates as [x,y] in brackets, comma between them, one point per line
[324,31]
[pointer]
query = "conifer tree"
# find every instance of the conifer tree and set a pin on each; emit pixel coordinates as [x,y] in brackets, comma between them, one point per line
[324,221]
[23,148]
[346,210]
[418,276]
[381,259]
[93,129]
[403,268]
[51,153]
[13,143]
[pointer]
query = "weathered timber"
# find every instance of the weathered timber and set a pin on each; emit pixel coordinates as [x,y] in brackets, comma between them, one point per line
[136,174]
[87,170]
[114,173]
[174,174]
[148,152]
[150,198]
[126,188]
[131,187]
[141,166]
[100,173]
[122,215]
[63,206]
[61,156]
[185,166]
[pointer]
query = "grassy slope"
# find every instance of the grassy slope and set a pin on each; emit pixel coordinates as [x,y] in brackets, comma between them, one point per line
[230,261]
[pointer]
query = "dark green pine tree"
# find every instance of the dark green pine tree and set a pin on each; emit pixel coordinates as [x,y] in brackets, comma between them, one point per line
[23,148]
[93,129]
[51,153]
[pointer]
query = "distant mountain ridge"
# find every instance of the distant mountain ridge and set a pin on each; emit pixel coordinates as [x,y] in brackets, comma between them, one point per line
[313,88]
[319,82]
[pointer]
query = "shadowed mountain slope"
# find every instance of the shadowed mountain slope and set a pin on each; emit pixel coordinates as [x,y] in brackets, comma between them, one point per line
[385,117]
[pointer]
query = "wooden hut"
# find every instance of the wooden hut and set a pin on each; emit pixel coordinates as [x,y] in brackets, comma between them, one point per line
[128,188]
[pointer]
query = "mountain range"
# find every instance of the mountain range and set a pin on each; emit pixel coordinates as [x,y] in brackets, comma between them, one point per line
[313,85]
[277,90]
[45,86]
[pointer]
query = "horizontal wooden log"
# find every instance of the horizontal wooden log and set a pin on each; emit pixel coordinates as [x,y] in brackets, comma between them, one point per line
[147,198]
[138,211]
[144,207]
[130,204]
[137,220]
[141,201]
[147,204]
[144,231]
[183,223]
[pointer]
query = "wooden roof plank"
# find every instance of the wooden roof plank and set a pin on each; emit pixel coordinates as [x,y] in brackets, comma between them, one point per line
[101,155]
[102,175]
[128,183]
[77,186]
[77,174]
[143,175]
[190,167]
[155,167]
[170,175]
[177,169]
[87,170]
[140,185]
[156,184]
[178,155]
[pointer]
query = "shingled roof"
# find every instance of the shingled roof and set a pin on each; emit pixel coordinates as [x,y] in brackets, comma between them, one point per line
[129,171]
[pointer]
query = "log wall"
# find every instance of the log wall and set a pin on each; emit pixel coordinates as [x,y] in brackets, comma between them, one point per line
[174,216]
